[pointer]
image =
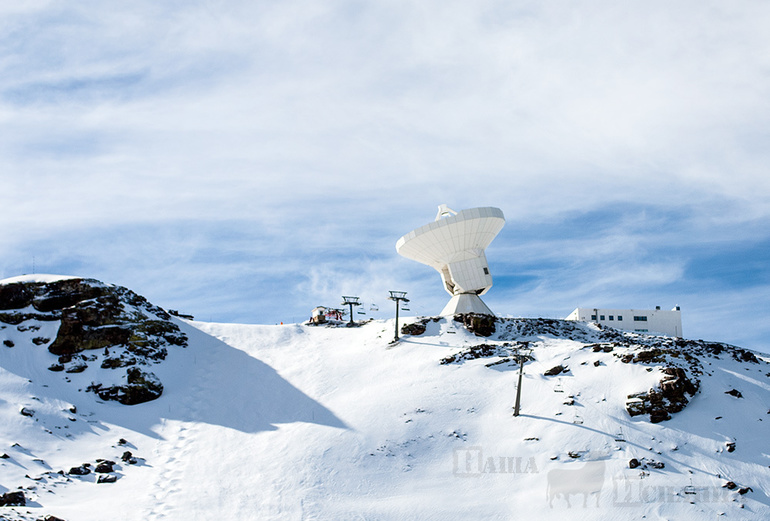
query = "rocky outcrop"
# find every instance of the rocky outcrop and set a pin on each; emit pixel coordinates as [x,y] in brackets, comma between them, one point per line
[419,327]
[141,387]
[480,325]
[671,396]
[104,466]
[414,329]
[81,470]
[93,315]
[553,371]
[96,316]
[478,351]
[645,463]
[117,317]
[129,458]
[13,499]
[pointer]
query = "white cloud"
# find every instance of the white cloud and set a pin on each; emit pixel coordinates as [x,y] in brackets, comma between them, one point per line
[328,129]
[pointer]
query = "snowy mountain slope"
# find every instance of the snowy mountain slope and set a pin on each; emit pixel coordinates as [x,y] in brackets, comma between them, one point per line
[307,422]
[429,466]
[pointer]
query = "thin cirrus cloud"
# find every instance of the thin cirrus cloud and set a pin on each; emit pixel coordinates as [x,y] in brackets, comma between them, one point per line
[248,161]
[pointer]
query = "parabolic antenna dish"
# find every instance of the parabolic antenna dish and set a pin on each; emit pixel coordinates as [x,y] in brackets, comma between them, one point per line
[454,246]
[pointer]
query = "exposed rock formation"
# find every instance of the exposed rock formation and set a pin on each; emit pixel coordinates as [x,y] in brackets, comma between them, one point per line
[553,371]
[670,397]
[13,499]
[417,328]
[96,316]
[141,387]
[480,325]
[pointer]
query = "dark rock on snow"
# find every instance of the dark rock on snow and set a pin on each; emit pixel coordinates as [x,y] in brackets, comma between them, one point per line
[82,470]
[104,467]
[13,499]
[553,371]
[671,397]
[141,387]
[504,351]
[93,316]
[414,329]
[480,325]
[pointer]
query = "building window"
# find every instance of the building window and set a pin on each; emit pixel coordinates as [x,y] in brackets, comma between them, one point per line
[601,317]
[486,271]
[640,319]
[593,317]
[612,317]
[620,317]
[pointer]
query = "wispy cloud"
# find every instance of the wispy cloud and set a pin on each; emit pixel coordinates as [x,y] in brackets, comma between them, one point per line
[252,160]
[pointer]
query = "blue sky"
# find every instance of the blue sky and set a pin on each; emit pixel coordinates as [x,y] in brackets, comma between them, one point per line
[247,161]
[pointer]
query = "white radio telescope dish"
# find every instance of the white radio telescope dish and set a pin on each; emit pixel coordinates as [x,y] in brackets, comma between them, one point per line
[454,246]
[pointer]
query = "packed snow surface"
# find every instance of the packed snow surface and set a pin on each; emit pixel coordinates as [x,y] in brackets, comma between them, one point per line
[303,422]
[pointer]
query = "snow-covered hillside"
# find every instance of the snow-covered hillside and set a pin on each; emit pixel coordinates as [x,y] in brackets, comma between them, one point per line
[326,422]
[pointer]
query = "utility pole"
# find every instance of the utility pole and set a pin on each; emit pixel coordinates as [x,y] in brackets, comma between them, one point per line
[520,356]
[398,296]
[350,301]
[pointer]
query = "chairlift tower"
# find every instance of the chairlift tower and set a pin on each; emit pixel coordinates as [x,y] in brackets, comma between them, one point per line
[398,296]
[454,245]
[521,354]
[350,301]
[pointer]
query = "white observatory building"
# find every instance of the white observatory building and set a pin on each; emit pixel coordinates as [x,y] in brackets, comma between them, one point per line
[454,246]
[659,321]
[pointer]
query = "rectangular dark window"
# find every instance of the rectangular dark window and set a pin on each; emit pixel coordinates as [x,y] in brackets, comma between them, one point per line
[612,317]
[620,317]
[593,317]
[642,318]
[486,271]
[601,317]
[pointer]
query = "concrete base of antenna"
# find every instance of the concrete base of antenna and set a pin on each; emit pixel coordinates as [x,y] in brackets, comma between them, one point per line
[466,303]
